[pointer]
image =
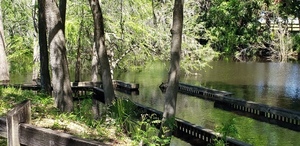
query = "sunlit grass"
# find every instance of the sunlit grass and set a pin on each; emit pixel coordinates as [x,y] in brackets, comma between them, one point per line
[79,123]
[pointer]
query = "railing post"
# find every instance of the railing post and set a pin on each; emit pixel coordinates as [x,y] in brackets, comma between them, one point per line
[19,114]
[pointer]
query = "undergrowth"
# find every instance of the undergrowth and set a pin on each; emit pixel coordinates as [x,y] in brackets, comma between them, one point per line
[141,127]
[123,123]
[80,122]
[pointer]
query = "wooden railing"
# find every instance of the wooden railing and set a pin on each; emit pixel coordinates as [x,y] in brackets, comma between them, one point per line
[17,129]
[273,115]
[189,132]
[290,27]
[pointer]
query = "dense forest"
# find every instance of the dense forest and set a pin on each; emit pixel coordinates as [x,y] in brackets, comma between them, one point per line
[137,32]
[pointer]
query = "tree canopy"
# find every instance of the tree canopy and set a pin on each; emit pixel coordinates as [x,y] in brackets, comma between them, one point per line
[136,31]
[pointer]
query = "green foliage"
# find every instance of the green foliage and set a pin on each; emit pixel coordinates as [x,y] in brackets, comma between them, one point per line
[19,34]
[290,7]
[12,96]
[129,33]
[123,111]
[148,133]
[195,55]
[126,114]
[226,129]
[79,33]
[296,40]
[233,24]
[80,122]
[3,141]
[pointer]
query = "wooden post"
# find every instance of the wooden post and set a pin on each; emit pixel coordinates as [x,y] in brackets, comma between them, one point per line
[19,114]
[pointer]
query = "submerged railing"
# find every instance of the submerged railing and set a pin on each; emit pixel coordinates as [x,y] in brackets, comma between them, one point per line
[279,116]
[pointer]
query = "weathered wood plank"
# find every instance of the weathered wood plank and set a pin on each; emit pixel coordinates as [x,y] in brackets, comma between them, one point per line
[21,113]
[3,129]
[35,136]
[121,84]
[90,84]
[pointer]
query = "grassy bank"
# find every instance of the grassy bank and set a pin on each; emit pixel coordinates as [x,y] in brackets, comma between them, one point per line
[80,122]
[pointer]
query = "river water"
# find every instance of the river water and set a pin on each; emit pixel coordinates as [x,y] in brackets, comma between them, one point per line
[274,84]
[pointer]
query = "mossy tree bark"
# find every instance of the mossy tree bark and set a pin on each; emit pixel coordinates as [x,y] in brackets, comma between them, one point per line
[58,59]
[44,54]
[101,52]
[173,81]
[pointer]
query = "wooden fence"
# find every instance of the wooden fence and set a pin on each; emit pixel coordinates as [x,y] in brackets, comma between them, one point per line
[17,129]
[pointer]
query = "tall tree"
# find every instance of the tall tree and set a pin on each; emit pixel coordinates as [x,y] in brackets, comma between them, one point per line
[79,47]
[4,70]
[36,51]
[101,51]
[44,59]
[94,65]
[94,76]
[58,59]
[62,11]
[173,81]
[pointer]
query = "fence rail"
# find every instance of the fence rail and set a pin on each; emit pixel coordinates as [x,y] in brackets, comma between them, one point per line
[273,115]
[290,27]
[193,134]
[16,128]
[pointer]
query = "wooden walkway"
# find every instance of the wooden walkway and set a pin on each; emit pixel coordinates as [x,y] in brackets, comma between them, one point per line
[279,116]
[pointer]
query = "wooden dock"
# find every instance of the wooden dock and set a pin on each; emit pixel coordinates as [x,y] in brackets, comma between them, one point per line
[273,115]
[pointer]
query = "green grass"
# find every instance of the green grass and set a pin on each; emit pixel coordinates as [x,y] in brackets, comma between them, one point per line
[139,126]
[122,124]
[80,122]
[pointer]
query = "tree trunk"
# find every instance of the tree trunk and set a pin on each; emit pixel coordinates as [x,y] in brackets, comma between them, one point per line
[95,64]
[78,59]
[36,51]
[62,11]
[58,59]
[101,51]
[44,59]
[4,69]
[299,30]
[78,62]
[173,81]
[153,13]
[36,62]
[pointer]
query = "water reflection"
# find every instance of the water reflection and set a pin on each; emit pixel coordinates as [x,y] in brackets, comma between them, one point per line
[268,83]
[274,84]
